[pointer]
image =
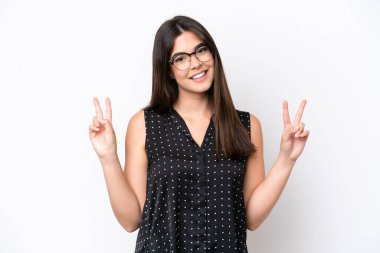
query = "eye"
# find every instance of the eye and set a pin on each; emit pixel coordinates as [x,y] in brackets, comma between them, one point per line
[179,58]
[202,49]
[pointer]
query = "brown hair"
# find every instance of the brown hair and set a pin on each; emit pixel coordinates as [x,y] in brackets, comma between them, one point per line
[230,133]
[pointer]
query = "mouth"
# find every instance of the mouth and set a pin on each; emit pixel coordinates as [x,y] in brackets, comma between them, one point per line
[199,76]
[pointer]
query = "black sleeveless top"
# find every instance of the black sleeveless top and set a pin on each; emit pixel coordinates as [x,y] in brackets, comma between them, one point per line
[193,203]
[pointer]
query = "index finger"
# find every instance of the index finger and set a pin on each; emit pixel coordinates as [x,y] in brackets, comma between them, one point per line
[285,112]
[98,109]
[297,120]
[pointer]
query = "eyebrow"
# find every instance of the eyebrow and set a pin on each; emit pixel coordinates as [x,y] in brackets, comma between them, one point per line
[195,48]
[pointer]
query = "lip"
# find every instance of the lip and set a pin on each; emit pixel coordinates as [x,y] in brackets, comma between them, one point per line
[198,73]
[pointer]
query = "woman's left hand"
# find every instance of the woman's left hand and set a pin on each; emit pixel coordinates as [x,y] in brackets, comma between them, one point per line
[294,136]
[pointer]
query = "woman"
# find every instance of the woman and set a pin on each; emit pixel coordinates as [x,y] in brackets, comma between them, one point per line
[194,177]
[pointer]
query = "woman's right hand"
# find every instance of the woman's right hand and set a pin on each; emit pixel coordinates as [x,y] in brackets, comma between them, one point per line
[102,134]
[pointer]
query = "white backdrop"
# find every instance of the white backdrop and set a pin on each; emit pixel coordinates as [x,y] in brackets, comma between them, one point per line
[55,56]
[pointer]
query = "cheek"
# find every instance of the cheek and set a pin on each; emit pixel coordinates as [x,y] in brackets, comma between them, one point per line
[180,74]
[211,64]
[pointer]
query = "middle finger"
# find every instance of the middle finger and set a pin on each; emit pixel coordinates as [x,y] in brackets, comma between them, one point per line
[299,112]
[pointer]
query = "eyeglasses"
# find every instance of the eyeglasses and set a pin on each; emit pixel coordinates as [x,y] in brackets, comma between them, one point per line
[183,60]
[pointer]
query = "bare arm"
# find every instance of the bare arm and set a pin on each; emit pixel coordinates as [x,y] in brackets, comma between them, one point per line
[126,189]
[263,192]
[123,200]
[266,194]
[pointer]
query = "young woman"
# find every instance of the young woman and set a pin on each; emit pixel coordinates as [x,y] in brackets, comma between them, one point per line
[194,178]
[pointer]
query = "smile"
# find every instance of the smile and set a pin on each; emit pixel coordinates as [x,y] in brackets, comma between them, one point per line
[199,76]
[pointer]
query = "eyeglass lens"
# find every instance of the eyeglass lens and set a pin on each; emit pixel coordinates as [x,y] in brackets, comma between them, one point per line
[182,61]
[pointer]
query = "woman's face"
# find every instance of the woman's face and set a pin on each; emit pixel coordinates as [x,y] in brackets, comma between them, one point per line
[187,42]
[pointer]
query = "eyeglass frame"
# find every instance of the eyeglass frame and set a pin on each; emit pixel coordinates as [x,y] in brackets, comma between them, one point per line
[190,54]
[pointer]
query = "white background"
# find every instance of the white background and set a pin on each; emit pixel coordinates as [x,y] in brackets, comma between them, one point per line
[55,56]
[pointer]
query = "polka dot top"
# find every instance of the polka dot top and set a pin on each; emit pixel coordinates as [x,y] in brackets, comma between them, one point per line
[193,203]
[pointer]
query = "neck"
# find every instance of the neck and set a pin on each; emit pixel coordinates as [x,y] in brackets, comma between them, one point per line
[194,106]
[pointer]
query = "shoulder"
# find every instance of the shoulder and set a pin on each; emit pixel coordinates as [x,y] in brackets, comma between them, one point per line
[256,130]
[252,122]
[251,119]
[136,127]
[137,119]
[244,117]
[143,115]
[145,120]
[242,114]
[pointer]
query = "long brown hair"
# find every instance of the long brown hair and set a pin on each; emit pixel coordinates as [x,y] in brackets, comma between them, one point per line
[230,134]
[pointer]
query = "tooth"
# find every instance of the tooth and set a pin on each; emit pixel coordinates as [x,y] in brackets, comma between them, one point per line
[199,75]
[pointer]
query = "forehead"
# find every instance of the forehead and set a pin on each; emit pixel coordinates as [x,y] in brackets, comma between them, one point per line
[186,42]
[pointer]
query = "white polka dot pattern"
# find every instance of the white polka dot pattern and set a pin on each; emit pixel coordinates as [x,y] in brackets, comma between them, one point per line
[194,203]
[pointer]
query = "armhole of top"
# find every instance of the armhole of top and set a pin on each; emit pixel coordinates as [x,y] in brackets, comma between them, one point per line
[249,125]
[245,119]
[146,132]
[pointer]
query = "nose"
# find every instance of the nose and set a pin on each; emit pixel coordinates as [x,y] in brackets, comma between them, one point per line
[194,62]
